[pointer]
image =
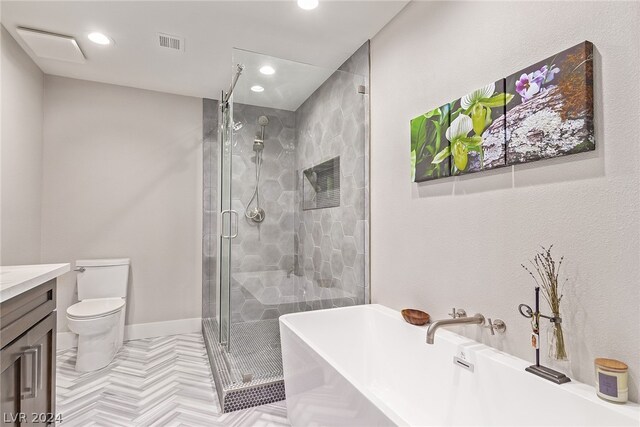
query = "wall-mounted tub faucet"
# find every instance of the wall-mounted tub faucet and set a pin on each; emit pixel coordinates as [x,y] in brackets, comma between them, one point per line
[477,319]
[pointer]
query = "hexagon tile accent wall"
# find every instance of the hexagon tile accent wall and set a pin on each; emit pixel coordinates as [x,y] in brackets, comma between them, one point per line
[267,247]
[332,122]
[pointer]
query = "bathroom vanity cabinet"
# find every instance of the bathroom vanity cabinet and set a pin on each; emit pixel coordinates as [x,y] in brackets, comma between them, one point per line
[28,356]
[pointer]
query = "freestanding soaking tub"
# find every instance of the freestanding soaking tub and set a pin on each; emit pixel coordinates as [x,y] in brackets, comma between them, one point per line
[365,366]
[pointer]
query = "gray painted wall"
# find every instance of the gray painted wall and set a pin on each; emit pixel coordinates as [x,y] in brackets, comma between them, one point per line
[122,177]
[459,242]
[21,155]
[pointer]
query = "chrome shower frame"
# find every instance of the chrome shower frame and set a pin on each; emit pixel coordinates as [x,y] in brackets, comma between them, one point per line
[225,130]
[227,96]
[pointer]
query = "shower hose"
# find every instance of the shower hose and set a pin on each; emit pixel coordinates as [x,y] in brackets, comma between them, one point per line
[255,214]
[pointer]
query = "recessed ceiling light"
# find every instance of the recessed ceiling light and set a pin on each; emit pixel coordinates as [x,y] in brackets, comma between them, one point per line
[257,88]
[308,4]
[267,69]
[99,38]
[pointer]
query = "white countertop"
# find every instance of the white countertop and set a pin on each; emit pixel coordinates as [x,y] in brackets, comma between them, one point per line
[17,279]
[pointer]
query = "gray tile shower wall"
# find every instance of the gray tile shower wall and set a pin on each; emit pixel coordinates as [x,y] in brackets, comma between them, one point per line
[210,205]
[295,260]
[358,63]
[331,242]
[268,246]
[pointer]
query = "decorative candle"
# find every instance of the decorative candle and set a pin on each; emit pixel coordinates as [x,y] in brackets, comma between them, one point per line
[611,380]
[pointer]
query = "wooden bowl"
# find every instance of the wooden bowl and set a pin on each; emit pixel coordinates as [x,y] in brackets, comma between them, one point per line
[415,317]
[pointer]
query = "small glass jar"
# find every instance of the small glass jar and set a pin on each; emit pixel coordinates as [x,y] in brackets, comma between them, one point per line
[612,380]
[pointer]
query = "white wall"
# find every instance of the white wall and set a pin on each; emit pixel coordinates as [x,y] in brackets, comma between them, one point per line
[123,178]
[460,241]
[21,154]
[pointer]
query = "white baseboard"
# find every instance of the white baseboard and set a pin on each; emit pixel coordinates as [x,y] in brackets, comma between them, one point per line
[138,331]
[162,329]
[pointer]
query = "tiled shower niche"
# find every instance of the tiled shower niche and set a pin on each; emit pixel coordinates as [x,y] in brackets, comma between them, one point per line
[321,185]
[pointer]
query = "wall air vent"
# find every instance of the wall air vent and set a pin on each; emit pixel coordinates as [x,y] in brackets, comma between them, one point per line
[171,42]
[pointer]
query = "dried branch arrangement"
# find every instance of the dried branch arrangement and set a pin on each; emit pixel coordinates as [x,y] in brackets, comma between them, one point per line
[546,276]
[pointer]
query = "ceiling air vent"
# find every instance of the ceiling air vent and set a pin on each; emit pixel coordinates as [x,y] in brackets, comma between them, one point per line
[52,46]
[171,42]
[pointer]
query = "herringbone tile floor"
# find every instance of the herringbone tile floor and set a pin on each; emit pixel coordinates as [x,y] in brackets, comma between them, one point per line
[162,381]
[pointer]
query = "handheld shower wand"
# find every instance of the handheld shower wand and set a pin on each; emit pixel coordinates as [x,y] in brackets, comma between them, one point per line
[258,143]
[257,214]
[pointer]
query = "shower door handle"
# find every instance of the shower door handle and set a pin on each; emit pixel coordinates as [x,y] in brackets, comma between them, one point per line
[230,212]
[221,225]
[234,212]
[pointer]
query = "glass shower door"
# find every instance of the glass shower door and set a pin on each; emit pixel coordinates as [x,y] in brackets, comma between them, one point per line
[227,217]
[288,138]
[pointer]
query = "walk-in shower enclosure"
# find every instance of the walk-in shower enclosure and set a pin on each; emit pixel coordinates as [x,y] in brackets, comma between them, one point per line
[290,144]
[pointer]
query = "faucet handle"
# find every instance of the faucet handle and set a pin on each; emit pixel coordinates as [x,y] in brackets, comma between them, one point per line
[496,325]
[457,313]
[490,326]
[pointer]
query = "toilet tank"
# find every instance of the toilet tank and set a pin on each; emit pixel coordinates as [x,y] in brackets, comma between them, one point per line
[102,278]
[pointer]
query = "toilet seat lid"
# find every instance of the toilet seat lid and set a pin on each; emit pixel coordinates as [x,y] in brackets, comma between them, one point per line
[98,307]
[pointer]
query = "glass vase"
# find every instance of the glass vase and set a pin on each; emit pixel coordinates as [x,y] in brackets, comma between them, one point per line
[557,342]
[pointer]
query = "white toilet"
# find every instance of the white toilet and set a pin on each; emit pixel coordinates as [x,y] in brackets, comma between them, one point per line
[98,318]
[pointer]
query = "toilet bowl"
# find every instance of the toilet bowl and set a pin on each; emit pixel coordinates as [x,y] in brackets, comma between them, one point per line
[99,324]
[98,318]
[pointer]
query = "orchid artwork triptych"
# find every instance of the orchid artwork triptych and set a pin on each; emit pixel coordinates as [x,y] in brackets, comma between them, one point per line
[540,112]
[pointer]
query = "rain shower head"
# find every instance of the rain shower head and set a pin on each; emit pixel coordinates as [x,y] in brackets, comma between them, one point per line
[263,120]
